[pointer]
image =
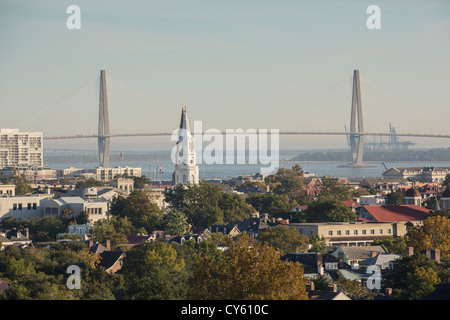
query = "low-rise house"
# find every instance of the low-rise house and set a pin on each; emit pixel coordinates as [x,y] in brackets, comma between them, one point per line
[133,240]
[383,184]
[331,294]
[110,260]
[227,229]
[186,237]
[355,254]
[316,263]
[382,260]
[78,229]
[15,237]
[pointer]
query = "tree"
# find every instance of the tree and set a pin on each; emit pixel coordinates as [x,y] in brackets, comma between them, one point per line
[152,271]
[335,189]
[319,244]
[21,183]
[205,204]
[278,205]
[89,183]
[394,198]
[141,182]
[248,270]
[103,230]
[175,223]
[446,181]
[328,210]
[434,233]
[284,238]
[421,282]
[353,289]
[395,245]
[82,217]
[408,278]
[140,208]
[234,207]
[286,181]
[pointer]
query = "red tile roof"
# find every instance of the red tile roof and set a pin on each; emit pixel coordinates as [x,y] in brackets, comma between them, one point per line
[351,203]
[392,213]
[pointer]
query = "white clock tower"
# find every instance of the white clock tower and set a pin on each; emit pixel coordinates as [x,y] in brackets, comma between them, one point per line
[186,170]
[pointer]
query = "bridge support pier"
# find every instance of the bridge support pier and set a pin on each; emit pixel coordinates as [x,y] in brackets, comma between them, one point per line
[103,124]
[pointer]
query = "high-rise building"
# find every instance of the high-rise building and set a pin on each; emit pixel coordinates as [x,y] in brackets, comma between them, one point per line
[186,170]
[20,149]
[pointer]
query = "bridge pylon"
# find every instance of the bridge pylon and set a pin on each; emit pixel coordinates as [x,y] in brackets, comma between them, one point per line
[356,123]
[103,124]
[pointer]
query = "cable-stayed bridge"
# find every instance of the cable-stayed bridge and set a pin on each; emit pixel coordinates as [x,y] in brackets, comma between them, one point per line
[106,108]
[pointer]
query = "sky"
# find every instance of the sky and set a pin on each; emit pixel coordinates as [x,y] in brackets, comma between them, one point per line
[235,63]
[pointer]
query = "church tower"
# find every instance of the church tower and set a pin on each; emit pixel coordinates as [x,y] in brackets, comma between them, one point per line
[186,170]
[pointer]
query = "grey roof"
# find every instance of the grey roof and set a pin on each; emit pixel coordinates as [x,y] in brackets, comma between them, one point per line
[362,252]
[381,260]
[327,295]
[98,248]
[308,260]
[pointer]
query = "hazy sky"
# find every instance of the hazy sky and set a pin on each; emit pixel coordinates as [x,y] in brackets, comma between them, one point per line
[232,62]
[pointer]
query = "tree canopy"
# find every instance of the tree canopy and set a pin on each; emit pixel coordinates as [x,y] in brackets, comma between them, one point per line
[248,270]
[205,204]
[328,210]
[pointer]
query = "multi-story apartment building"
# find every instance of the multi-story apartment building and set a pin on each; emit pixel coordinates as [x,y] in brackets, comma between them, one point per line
[20,149]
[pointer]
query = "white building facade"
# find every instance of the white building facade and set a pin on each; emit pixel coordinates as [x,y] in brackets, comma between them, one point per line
[20,149]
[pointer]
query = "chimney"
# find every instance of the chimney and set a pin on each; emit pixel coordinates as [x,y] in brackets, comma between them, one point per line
[27,233]
[332,287]
[409,251]
[319,262]
[341,260]
[108,244]
[310,286]
[435,255]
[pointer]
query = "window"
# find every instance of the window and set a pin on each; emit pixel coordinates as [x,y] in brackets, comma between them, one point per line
[381,231]
[20,206]
[34,206]
[330,233]
[389,231]
[15,206]
[355,232]
[29,206]
[347,232]
[372,231]
[339,232]
[363,231]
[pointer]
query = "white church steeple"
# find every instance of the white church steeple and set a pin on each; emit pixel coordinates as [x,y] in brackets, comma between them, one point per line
[186,169]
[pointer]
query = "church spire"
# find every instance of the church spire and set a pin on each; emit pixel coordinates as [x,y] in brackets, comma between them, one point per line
[186,169]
